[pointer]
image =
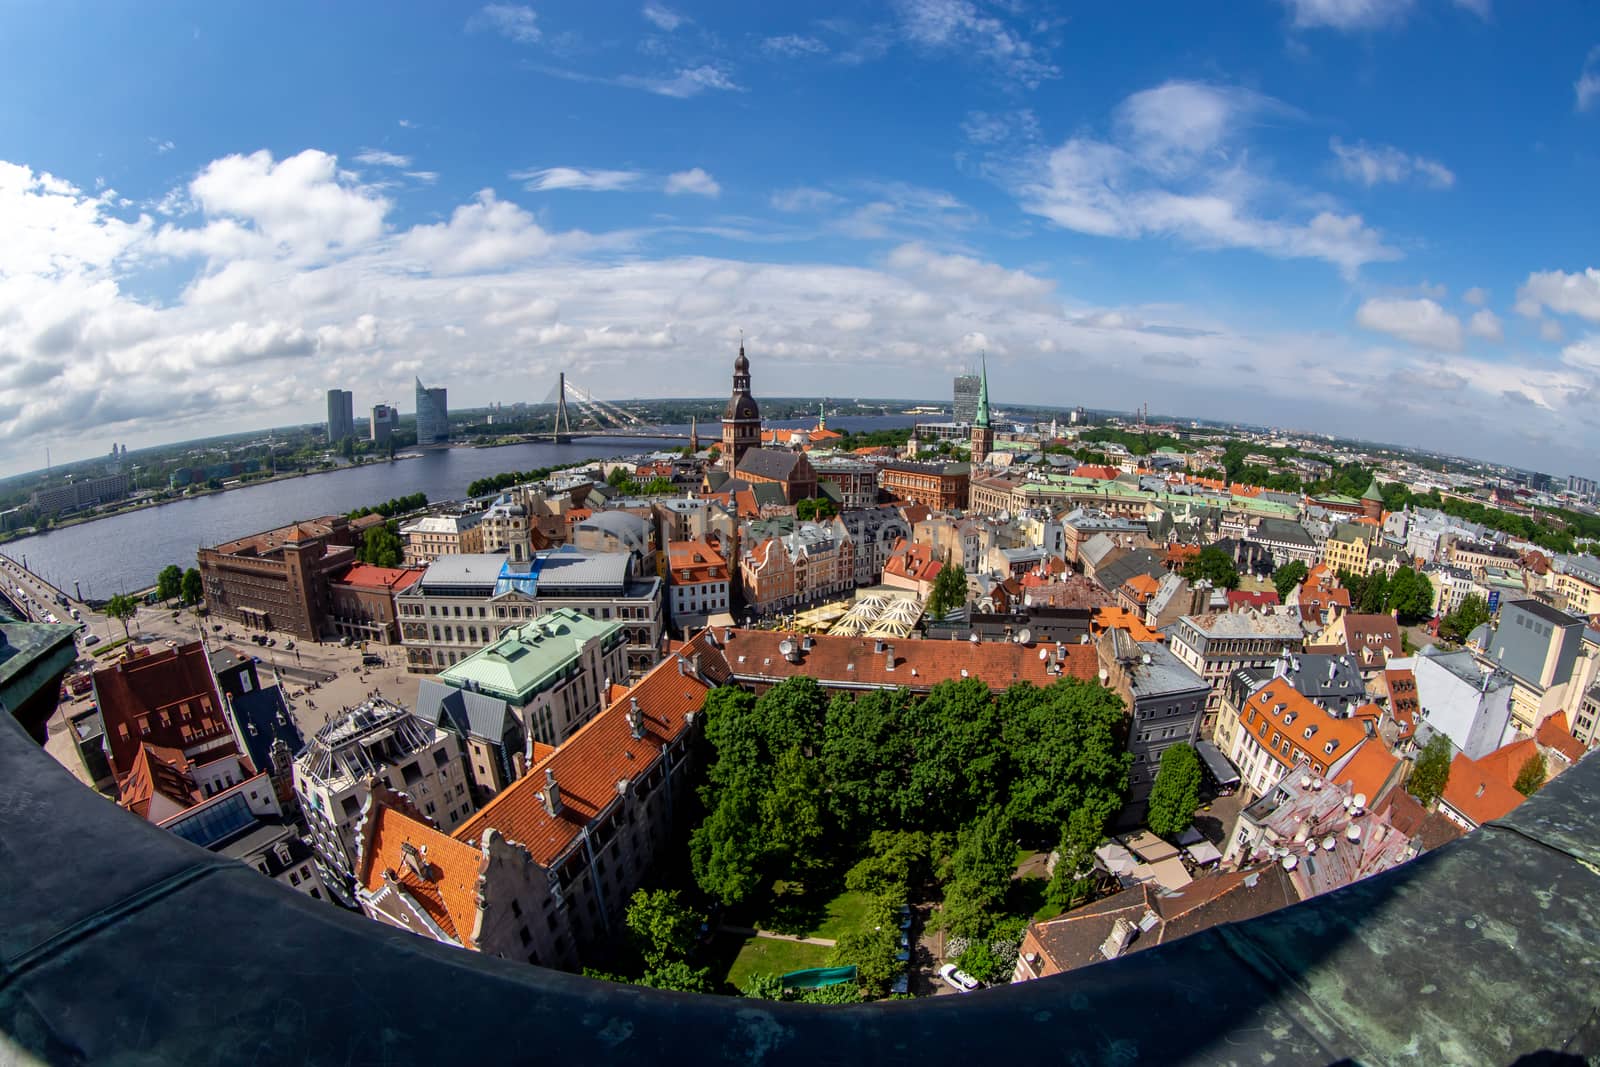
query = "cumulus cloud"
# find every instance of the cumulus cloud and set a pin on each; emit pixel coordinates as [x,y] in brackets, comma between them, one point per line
[1486,324]
[695,182]
[1418,322]
[1563,293]
[514,22]
[484,235]
[1477,296]
[1176,165]
[1378,164]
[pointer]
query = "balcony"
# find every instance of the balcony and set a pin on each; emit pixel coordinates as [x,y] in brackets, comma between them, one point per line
[123,942]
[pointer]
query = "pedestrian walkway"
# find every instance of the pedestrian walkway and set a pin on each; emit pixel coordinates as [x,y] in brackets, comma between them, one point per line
[750,931]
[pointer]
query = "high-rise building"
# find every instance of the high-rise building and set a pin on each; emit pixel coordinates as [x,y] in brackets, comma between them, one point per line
[965,407]
[433,416]
[382,423]
[341,415]
[741,419]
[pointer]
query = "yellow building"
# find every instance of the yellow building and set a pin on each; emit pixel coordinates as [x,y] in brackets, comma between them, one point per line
[1347,547]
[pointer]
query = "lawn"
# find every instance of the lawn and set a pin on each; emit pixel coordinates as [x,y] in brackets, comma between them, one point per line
[766,955]
[844,912]
[813,915]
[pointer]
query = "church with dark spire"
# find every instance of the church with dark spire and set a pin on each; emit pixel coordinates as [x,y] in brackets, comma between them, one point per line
[741,419]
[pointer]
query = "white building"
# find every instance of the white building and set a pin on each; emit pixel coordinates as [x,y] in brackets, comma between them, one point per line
[376,740]
[433,536]
[506,530]
[1462,699]
[1217,644]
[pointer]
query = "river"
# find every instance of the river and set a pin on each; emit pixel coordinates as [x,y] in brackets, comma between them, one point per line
[124,552]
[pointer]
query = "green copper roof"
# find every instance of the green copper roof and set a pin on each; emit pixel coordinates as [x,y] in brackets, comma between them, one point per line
[528,657]
[1372,492]
[32,655]
[981,419]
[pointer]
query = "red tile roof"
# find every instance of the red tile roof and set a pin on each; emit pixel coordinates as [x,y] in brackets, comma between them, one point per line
[157,769]
[1403,703]
[1095,470]
[590,763]
[162,682]
[1273,703]
[1242,598]
[1482,789]
[1373,770]
[1115,618]
[394,579]
[449,892]
[1553,733]
[753,656]
[913,561]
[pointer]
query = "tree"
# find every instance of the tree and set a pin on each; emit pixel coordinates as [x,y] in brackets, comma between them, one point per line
[980,871]
[1531,777]
[724,851]
[1410,595]
[818,509]
[663,926]
[1459,624]
[193,588]
[949,591]
[347,447]
[122,608]
[678,975]
[871,947]
[1072,881]
[1215,566]
[381,547]
[1176,792]
[1063,753]
[1286,577]
[792,815]
[169,583]
[863,749]
[896,859]
[1375,593]
[763,987]
[1432,771]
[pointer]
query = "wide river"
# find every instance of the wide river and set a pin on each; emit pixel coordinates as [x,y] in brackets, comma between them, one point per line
[124,552]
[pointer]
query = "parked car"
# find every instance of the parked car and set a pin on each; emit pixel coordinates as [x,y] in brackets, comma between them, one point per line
[960,981]
[371,659]
[901,984]
[92,639]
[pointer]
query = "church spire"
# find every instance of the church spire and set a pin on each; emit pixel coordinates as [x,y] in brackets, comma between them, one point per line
[982,417]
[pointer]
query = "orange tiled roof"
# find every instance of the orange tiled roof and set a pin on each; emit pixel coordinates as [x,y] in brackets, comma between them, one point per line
[913,561]
[753,656]
[449,893]
[1483,789]
[157,769]
[1285,739]
[1142,585]
[590,763]
[394,579]
[1095,470]
[1403,704]
[1112,617]
[1371,770]
[1553,733]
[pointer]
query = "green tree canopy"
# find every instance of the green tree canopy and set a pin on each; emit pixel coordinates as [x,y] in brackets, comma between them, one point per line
[1374,593]
[122,608]
[1286,577]
[381,547]
[762,986]
[979,875]
[1215,566]
[1530,778]
[1410,596]
[1459,624]
[870,947]
[662,925]
[1176,792]
[193,588]
[949,591]
[1432,770]
[169,583]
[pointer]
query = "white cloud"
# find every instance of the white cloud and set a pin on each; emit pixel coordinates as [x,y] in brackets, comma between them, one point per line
[1347,14]
[1377,164]
[1179,167]
[1486,324]
[302,206]
[961,27]
[597,181]
[804,198]
[1584,354]
[1476,296]
[1419,322]
[691,81]
[695,182]
[791,44]
[1565,294]
[485,235]
[426,177]
[514,22]
[1550,330]
[1587,88]
[990,128]
[377,157]
[162,147]
[664,17]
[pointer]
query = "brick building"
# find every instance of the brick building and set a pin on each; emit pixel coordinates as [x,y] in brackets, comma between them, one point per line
[278,580]
[790,470]
[362,605]
[939,486]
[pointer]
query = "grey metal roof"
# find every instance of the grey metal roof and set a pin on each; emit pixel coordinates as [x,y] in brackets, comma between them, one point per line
[1164,674]
[467,568]
[476,714]
[621,524]
[567,568]
[769,463]
[1285,531]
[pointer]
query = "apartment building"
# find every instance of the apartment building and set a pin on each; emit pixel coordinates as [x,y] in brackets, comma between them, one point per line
[938,486]
[784,572]
[697,583]
[1215,645]
[432,536]
[856,480]
[278,580]
[1165,701]
[382,741]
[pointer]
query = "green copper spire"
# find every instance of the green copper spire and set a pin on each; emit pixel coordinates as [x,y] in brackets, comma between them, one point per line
[981,419]
[1372,492]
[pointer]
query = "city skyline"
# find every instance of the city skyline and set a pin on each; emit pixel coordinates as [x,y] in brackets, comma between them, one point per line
[1330,217]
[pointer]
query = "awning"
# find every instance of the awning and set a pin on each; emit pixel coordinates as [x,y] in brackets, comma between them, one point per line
[1222,772]
[1203,852]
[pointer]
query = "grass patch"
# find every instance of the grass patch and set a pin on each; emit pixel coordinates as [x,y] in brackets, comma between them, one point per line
[766,955]
[845,912]
[106,648]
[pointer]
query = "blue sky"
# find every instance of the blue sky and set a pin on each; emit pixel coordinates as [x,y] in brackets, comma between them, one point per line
[1372,217]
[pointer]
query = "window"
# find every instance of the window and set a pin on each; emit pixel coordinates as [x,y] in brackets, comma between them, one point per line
[525,936]
[315,894]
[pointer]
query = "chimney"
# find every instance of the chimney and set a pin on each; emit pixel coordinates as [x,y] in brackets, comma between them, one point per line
[727,635]
[1117,942]
[551,793]
[694,665]
[635,719]
[415,860]
[888,656]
